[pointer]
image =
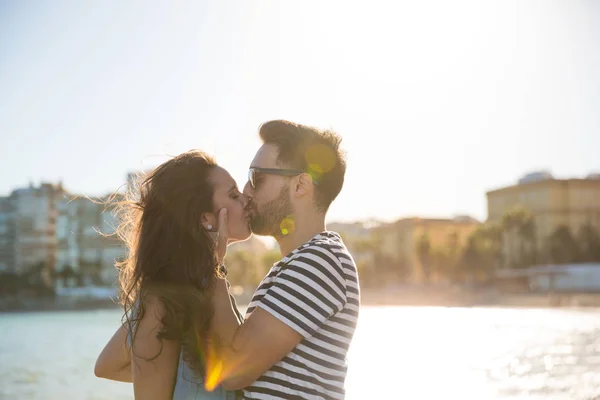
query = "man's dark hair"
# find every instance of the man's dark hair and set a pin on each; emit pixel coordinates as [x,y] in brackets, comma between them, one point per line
[311,150]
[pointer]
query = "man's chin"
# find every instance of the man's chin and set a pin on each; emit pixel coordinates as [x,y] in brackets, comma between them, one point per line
[259,232]
[259,229]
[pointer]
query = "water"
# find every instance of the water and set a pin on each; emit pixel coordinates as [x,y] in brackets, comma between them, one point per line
[398,353]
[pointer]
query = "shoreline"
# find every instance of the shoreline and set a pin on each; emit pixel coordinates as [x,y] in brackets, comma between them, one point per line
[394,296]
[49,305]
[459,297]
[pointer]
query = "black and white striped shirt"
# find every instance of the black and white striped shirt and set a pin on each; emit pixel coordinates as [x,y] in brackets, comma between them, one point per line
[315,291]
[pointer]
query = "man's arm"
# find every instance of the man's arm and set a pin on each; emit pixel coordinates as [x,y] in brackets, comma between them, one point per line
[251,348]
[303,297]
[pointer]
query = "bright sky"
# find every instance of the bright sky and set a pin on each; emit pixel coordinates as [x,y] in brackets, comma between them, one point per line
[437,101]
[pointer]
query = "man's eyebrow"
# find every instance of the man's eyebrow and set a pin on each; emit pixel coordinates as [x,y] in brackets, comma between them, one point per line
[233,187]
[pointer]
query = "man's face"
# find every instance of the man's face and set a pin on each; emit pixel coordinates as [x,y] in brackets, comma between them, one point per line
[270,206]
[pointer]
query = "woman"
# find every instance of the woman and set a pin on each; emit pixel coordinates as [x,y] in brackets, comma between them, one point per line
[165,345]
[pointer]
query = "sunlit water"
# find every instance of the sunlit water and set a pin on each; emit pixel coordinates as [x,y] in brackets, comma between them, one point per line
[398,353]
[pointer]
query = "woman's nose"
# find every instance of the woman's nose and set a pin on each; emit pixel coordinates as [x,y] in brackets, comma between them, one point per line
[245,200]
[247,190]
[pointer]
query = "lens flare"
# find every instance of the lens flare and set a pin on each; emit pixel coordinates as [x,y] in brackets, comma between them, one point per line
[315,171]
[214,374]
[287,226]
[216,369]
[320,160]
[220,367]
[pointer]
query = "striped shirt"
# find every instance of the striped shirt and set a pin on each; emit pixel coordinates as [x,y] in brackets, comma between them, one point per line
[315,291]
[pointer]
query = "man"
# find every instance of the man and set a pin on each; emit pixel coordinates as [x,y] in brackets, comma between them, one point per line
[301,320]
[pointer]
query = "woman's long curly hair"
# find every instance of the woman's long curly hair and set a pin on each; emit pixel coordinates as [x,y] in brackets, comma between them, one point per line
[170,254]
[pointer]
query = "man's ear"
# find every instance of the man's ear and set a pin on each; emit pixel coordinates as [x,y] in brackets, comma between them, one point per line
[304,186]
[208,221]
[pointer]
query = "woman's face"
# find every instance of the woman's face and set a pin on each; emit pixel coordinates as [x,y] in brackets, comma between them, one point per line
[226,195]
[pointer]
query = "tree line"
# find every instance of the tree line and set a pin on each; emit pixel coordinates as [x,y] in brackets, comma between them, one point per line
[511,242]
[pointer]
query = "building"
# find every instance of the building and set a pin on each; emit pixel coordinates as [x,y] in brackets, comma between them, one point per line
[86,244]
[46,231]
[66,224]
[355,235]
[400,240]
[134,180]
[7,235]
[34,216]
[28,244]
[552,202]
[353,231]
[569,278]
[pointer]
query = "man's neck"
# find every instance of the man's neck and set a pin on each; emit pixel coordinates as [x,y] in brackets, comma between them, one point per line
[304,230]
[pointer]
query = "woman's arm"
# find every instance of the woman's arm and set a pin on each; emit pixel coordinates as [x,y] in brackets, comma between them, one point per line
[153,361]
[114,361]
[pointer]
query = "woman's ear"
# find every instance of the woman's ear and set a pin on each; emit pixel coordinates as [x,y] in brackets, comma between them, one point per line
[209,221]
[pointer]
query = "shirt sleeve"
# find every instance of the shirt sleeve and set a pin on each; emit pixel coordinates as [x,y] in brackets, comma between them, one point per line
[307,291]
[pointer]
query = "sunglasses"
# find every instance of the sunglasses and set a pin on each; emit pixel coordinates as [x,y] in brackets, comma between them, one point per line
[271,171]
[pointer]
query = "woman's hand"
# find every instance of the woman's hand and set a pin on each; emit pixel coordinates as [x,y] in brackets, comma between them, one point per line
[222,238]
[225,320]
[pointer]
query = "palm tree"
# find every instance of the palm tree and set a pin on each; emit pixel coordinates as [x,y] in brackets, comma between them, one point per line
[562,246]
[528,241]
[241,267]
[452,253]
[589,240]
[423,249]
[519,234]
[483,252]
